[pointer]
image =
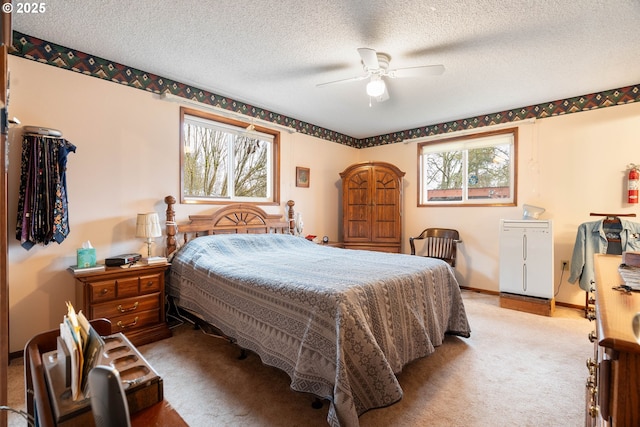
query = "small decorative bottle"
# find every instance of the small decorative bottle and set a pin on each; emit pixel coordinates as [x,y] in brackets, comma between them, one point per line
[299,224]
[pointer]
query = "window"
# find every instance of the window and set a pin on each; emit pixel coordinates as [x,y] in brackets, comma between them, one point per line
[472,170]
[224,160]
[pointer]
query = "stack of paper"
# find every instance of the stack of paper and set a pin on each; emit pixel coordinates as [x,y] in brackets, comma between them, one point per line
[84,345]
[79,270]
[630,275]
[154,260]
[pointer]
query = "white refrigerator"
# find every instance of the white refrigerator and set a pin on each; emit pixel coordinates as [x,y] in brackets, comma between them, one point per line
[526,257]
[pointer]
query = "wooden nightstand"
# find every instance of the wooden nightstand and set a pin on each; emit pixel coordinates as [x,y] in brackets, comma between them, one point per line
[131,298]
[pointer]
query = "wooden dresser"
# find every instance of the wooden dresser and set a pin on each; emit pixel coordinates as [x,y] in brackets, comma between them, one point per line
[131,298]
[613,384]
[372,206]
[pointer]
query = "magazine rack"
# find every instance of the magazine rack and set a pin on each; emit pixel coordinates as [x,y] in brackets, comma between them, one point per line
[39,402]
[142,384]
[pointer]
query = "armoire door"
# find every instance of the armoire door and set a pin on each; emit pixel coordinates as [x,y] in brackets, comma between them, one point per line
[357,205]
[386,194]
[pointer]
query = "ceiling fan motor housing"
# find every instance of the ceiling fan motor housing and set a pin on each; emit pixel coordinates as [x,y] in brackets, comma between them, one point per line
[383,64]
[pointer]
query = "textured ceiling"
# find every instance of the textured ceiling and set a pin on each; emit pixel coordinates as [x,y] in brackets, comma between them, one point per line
[498,55]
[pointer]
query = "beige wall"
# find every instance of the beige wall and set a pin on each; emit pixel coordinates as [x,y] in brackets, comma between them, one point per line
[571,165]
[127,161]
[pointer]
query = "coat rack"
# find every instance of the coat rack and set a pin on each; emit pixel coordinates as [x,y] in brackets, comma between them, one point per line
[614,245]
[611,215]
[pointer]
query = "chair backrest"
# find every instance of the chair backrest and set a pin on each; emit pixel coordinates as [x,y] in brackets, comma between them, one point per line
[439,243]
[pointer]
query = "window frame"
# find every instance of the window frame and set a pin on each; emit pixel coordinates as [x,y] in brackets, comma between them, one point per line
[275,159]
[466,202]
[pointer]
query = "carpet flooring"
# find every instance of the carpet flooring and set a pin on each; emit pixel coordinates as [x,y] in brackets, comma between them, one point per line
[516,369]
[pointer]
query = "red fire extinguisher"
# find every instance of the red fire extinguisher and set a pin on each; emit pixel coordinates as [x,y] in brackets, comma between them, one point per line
[634,178]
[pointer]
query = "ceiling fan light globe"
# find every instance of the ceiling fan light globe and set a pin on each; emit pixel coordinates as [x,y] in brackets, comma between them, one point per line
[375,88]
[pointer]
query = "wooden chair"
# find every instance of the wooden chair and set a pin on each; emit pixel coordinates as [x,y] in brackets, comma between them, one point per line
[439,243]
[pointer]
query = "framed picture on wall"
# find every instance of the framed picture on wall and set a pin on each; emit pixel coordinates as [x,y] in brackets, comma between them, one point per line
[302,177]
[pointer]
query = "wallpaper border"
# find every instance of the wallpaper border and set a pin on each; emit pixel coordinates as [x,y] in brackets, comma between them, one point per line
[62,57]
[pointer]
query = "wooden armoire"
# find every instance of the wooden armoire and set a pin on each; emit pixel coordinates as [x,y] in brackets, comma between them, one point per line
[372,206]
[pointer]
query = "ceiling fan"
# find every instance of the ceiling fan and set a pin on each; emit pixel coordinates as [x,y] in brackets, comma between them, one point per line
[376,66]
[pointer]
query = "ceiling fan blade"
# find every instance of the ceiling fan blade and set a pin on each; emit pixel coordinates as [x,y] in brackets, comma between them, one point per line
[369,58]
[423,71]
[351,79]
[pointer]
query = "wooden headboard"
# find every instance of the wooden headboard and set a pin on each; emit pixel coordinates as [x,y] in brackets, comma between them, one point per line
[233,218]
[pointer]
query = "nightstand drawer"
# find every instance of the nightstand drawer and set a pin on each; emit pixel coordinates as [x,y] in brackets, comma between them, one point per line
[127,287]
[133,321]
[119,307]
[150,283]
[124,287]
[102,291]
[110,289]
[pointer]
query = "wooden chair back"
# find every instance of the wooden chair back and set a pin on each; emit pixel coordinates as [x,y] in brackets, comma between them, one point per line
[439,243]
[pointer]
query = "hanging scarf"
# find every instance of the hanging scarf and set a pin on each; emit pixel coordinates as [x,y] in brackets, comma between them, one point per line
[43,214]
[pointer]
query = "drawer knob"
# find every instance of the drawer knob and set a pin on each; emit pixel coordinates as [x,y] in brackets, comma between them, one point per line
[149,283]
[124,310]
[130,325]
[104,291]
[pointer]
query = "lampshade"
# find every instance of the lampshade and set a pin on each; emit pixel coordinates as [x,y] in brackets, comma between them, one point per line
[375,87]
[148,225]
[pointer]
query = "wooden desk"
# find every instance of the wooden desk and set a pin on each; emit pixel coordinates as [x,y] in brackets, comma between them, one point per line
[613,385]
[37,395]
[159,415]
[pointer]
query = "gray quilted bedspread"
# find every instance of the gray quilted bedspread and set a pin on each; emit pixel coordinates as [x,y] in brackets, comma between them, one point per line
[341,323]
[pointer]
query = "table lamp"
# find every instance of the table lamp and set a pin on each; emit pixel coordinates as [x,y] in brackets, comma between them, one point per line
[148,227]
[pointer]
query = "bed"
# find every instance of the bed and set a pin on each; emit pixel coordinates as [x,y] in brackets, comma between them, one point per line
[341,323]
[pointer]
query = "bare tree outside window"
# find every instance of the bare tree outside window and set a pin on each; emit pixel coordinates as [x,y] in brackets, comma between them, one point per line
[224,160]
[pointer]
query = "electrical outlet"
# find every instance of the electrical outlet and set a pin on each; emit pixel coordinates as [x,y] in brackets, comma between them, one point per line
[564,264]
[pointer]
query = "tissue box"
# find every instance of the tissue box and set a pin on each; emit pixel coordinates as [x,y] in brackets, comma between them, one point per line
[86,257]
